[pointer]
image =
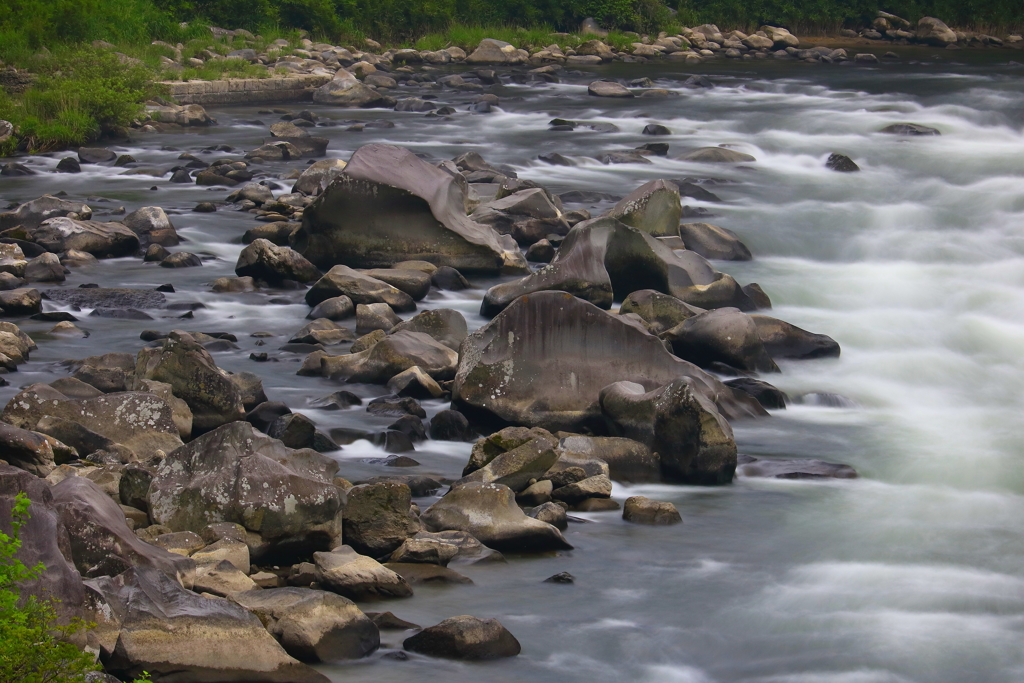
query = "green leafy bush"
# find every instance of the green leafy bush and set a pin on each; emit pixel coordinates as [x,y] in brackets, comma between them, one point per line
[29,650]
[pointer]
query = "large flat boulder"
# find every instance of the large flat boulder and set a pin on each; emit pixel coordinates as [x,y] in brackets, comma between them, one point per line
[178,636]
[286,498]
[388,206]
[102,240]
[360,288]
[346,91]
[357,577]
[545,359]
[139,421]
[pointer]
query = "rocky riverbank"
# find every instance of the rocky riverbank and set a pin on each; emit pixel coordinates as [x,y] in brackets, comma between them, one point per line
[207,529]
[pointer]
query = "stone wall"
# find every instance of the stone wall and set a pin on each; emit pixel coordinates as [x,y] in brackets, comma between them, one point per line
[246,90]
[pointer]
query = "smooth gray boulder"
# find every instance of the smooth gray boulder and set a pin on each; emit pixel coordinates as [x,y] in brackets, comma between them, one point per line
[489,513]
[661,312]
[286,498]
[388,206]
[176,635]
[465,637]
[544,360]
[713,242]
[102,240]
[643,510]
[608,89]
[784,340]
[444,325]
[44,540]
[313,625]
[694,441]
[346,91]
[491,52]
[30,214]
[724,335]
[153,226]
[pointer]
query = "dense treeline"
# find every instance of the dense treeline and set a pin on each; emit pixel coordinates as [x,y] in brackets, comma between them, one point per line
[35,22]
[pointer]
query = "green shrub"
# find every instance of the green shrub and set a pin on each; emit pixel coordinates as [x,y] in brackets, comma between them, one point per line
[29,650]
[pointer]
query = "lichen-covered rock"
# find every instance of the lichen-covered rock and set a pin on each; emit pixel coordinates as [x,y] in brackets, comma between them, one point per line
[660,311]
[31,451]
[653,207]
[139,421]
[183,363]
[378,518]
[512,457]
[286,497]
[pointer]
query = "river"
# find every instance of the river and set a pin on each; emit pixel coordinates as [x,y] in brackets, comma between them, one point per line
[912,573]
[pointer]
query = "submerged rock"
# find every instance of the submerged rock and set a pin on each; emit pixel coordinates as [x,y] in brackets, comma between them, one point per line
[792,469]
[545,359]
[465,637]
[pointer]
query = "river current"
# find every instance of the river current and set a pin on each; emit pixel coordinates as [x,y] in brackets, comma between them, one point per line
[912,573]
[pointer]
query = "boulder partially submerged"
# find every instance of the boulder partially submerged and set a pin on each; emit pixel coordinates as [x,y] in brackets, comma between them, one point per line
[545,359]
[603,260]
[388,206]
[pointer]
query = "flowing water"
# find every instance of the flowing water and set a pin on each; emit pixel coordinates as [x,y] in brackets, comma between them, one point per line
[914,571]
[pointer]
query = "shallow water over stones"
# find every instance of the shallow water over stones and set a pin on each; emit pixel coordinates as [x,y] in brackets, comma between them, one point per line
[915,265]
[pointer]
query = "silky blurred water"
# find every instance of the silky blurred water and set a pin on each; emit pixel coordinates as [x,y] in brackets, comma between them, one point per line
[915,571]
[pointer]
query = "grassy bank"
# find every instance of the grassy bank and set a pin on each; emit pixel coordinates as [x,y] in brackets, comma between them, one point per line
[81,91]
